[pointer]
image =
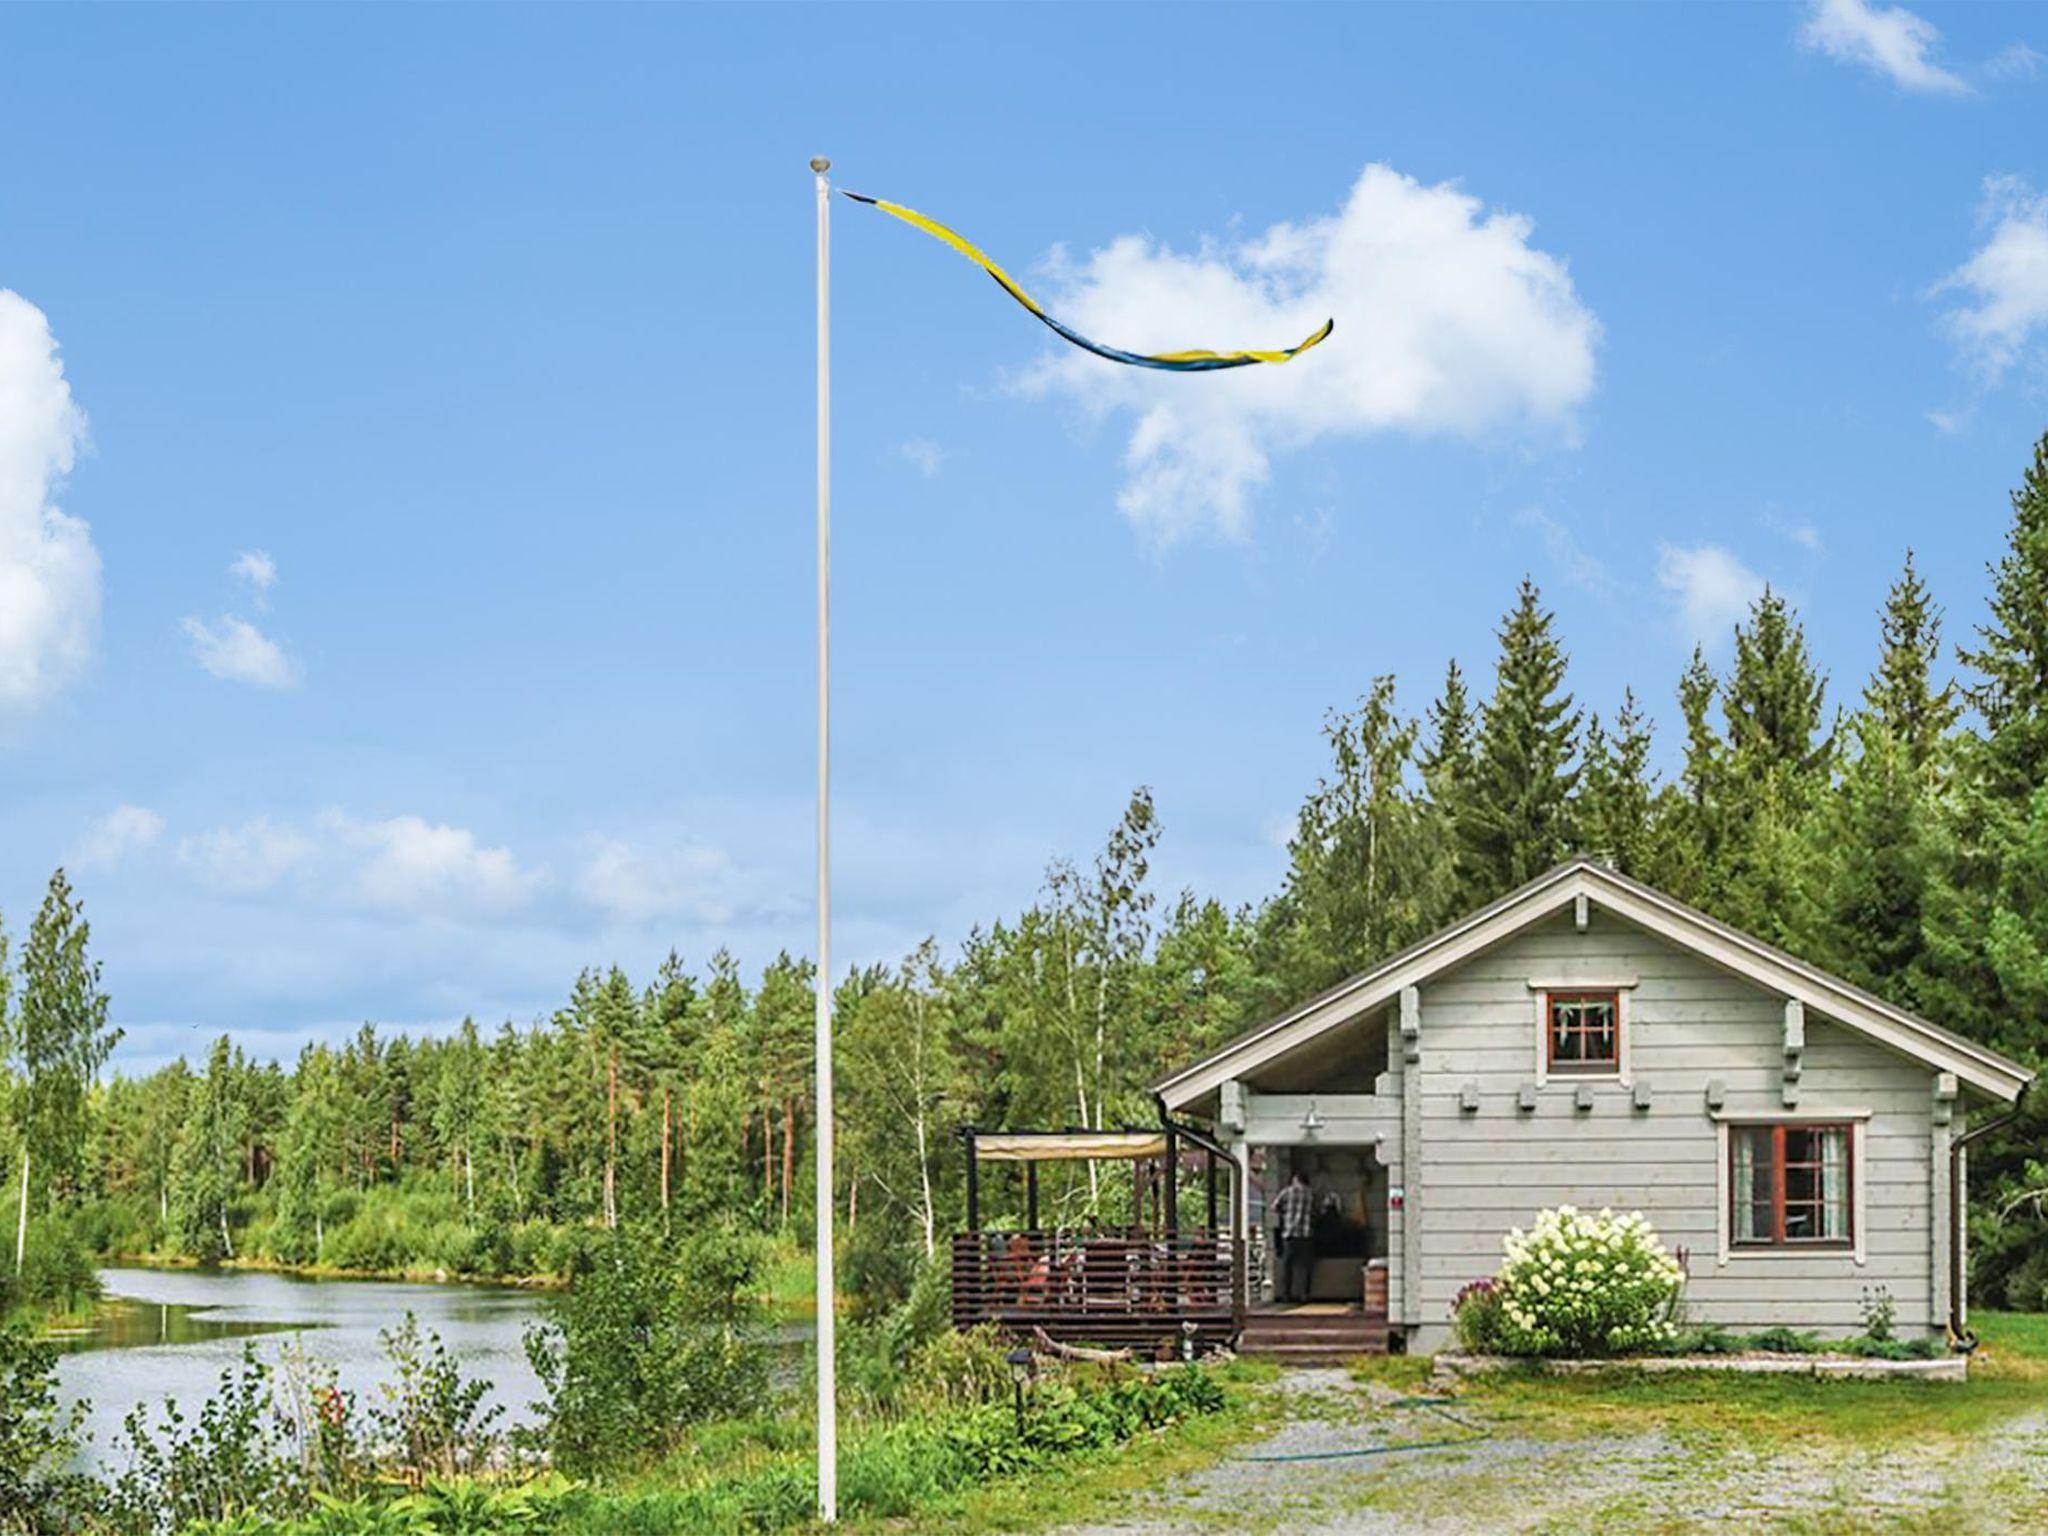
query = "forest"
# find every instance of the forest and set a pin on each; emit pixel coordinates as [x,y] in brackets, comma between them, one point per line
[1894,832]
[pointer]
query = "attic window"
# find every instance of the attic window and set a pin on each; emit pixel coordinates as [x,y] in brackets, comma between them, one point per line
[1583,1033]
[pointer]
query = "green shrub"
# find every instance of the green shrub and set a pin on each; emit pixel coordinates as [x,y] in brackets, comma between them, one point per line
[37,1442]
[1580,1285]
[57,1272]
[1476,1318]
[1703,1339]
[1864,1347]
[1784,1341]
[649,1339]
[235,1459]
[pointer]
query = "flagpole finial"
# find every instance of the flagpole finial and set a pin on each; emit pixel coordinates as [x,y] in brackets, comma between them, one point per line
[820,164]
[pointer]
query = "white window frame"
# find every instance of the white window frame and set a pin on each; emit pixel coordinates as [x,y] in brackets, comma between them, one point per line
[1857,1120]
[1541,987]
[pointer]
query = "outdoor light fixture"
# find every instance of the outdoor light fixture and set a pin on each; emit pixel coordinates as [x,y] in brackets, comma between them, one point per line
[1312,1122]
[1022,1365]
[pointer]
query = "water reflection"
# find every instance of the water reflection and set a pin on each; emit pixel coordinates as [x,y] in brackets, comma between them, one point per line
[171,1333]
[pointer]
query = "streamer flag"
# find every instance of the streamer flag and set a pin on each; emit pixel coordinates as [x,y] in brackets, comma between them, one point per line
[1173,362]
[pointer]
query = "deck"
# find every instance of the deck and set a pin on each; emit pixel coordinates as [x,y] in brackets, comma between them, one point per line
[1152,1292]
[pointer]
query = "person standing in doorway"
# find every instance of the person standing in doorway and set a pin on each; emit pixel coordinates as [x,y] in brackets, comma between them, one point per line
[1292,1210]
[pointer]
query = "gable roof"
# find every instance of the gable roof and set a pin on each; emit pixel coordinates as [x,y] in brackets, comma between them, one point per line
[1975,1066]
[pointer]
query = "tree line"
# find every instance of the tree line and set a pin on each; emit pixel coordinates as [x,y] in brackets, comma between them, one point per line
[1897,836]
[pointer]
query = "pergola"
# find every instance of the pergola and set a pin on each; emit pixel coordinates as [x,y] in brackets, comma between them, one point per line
[1150,1285]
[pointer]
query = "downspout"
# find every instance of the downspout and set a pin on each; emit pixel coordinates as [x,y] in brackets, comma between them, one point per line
[1216,1149]
[1959,1337]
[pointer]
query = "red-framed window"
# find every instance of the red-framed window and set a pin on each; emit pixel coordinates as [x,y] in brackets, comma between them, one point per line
[1582,1032]
[1791,1185]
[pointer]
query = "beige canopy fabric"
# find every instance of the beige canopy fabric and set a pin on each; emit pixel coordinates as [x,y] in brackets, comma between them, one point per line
[1067,1146]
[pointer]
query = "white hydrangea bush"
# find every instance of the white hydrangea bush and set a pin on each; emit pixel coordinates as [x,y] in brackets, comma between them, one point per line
[1577,1284]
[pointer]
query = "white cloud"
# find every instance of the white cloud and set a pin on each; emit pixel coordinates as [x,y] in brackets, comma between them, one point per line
[927,456]
[1951,423]
[49,570]
[1804,534]
[402,864]
[635,885]
[246,859]
[2006,280]
[1713,589]
[412,865]
[2015,61]
[237,651]
[1573,563]
[1890,40]
[124,830]
[256,568]
[1448,323]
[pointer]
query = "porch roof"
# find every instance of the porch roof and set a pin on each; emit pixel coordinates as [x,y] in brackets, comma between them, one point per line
[1067,1146]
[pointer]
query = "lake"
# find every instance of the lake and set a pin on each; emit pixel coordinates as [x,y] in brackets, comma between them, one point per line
[170,1333]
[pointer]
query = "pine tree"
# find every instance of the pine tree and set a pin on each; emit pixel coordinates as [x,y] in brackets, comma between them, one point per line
[1516,823]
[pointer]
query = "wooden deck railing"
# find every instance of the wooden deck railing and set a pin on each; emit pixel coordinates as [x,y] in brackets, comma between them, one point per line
[1108,1288]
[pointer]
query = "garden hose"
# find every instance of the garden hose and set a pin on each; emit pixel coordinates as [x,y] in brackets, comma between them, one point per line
[1433,1405]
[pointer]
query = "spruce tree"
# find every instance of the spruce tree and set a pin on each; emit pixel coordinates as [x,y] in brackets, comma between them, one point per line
[1901,694]
[1516,823]
[1453,729]
[1984,967]
[1614,809]
[2011,657]
[1774,699]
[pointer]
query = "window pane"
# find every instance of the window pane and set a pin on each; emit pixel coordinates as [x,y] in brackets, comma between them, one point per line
[1834,1182]
[1802,1183]
[1566,1045]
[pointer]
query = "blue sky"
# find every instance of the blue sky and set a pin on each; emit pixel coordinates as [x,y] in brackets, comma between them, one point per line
[425,612]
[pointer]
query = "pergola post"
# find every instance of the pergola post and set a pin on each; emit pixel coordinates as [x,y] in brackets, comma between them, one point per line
[1031,1197]
[973,1181]
[1172,1214]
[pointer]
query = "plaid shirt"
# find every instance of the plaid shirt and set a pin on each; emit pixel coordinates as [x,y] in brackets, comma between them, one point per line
[1293,1208]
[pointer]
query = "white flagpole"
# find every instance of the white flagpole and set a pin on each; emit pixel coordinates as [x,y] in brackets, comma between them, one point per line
[828,1360]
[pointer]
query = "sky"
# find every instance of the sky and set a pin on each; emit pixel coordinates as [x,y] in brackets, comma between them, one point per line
[406,432]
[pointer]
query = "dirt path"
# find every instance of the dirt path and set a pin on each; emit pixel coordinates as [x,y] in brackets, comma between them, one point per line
[1329,1469]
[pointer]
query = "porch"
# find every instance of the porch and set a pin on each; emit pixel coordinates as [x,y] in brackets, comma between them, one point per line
[1159,1286]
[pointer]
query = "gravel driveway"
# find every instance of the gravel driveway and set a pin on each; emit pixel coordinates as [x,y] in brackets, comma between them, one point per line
[1325,1470]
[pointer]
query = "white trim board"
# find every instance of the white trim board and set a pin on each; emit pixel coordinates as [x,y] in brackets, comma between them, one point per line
[1729,1253]
[1983,1070]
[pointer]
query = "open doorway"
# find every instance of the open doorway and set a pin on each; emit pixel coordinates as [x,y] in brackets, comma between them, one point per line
[1341,1264]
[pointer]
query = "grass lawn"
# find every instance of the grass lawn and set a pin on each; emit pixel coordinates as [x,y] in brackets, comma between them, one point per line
[772,1457]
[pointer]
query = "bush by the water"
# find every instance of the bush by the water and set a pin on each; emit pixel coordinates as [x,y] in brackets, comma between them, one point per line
[651,1337]
[1581,1285]
[38,1494]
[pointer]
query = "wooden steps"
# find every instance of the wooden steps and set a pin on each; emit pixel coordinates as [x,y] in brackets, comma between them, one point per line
[1311,1335]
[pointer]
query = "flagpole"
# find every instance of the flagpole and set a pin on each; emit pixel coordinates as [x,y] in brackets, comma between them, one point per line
[828,1360]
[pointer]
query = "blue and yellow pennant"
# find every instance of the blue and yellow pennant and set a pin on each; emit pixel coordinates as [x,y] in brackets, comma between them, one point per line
[1173,362]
